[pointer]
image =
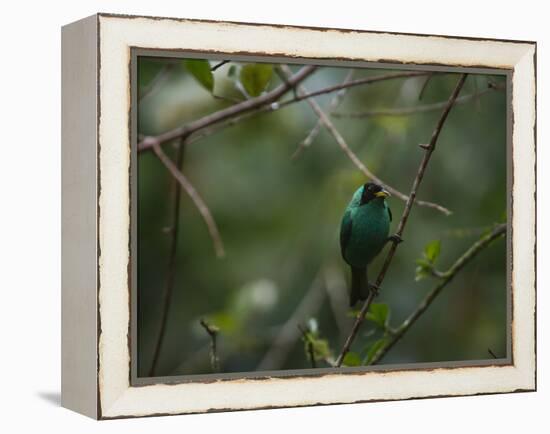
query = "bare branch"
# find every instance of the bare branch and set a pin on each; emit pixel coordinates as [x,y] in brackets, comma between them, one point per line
[195,197]
[446,277]
[404,218]
[327,123]
[171,268]
[219,65]
[213,333]
[406,111]
[424,86]
[353,83]
[314,132]
[264,103]
[227,113]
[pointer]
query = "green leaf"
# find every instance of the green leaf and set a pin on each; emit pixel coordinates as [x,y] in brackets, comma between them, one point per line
[374,348]
[321,349]
[232,71]
[255,77]
[352,359]
[200,69]
[379,314]
[424,263]
[432,250]
[422,272]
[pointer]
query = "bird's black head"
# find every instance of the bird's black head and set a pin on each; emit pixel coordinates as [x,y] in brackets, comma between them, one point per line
[372,191]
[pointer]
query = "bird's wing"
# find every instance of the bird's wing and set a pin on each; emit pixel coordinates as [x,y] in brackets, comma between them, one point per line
[345,231]
[389,212]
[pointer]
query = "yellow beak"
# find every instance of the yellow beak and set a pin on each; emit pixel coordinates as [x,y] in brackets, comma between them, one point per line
[382,193]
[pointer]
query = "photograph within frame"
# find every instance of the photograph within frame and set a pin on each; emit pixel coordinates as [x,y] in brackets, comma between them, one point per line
[146,379]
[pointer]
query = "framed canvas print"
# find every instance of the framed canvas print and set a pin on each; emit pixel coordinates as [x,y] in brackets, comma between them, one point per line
[260,216]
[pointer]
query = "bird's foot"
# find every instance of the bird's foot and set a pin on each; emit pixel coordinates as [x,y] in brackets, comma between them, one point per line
[375,289]
[396,239]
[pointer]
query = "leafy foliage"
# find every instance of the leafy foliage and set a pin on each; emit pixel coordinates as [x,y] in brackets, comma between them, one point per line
[425,264]
[379,313]
[255,77]
[200,69]
[352,359]
[313,341]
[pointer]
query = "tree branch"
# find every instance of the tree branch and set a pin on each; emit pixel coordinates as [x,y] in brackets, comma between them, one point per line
[264,103]
[327,123]
[429,149]
[249,105]
[314,132]
[195,197]
[213,333]
[445,278]
[171,268]
[405,111]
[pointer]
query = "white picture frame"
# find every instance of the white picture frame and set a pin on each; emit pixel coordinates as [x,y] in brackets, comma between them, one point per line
[96,213]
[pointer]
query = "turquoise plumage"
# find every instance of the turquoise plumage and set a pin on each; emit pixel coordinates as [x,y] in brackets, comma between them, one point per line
[363,233]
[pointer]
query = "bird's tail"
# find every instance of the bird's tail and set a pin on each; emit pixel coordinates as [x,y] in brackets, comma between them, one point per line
[359,285]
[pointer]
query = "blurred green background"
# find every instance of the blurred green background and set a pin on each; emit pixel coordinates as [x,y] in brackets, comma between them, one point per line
[279,219]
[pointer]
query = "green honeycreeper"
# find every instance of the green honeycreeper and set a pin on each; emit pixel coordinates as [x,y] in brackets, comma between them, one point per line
[363,233]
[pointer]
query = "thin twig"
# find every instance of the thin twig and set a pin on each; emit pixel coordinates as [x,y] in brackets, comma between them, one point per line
[171,267]
[406,111]
[213,333]
[353,83]
[206,121]
[327,123]
[314,132]
[264,103]
[424,86]
[429,149]
[446,278]
[219,65]
[195,197]
[200,134]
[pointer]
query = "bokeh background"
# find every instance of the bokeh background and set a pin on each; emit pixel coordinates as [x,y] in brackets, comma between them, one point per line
[279,219]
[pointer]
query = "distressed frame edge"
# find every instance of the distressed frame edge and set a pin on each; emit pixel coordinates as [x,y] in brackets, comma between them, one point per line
[79,183]
[529,385]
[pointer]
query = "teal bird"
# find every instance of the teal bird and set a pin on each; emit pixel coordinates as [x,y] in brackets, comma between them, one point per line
[363,233]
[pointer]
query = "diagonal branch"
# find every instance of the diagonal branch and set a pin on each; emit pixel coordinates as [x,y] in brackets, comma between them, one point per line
[195,197]
[445,277]
[314,132]
[327,123]
[264,103]
[429,149]
[246,106]
[406,111]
